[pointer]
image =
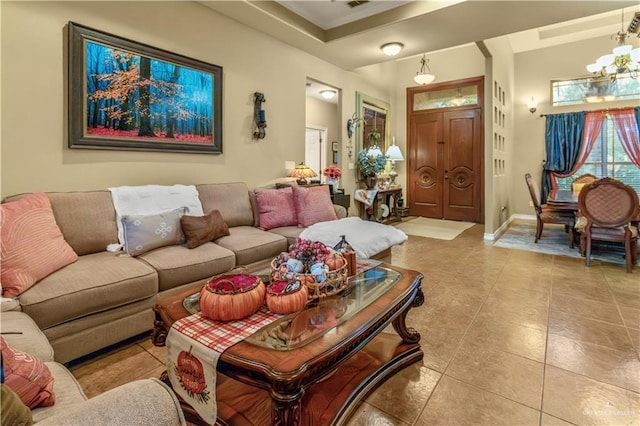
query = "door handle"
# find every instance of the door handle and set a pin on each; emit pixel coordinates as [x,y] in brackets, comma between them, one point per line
[446,174]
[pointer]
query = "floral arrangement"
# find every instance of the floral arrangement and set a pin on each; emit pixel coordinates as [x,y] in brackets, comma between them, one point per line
[332,172]
[308,252]
[369,165]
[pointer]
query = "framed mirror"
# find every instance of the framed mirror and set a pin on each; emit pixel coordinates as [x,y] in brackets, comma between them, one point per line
[371,124]
[375,128]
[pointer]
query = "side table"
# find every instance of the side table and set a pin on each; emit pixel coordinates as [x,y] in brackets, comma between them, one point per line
[384,208]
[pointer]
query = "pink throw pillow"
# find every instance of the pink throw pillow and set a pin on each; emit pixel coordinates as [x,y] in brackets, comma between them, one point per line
[313,205]
[276,208]
[32,244]
[27,376]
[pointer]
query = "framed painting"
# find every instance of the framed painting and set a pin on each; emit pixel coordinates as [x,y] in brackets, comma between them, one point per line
[130,96]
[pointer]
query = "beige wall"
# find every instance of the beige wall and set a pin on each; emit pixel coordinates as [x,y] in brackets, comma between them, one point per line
[534,71]
[34,153]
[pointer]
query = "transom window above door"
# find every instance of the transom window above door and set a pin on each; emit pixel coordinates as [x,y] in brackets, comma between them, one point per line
[446,98]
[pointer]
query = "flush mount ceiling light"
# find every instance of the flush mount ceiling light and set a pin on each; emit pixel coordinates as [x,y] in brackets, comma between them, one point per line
[422,76]
[624,59]
[392,49]
[328,94]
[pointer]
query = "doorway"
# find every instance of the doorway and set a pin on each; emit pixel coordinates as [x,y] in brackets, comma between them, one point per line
[445,150]
[315,153]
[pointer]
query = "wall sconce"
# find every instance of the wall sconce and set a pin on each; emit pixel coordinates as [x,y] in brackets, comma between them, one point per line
[533,105]
[259,116]
[352,123]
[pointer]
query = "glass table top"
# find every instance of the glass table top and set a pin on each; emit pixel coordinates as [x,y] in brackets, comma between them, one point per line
[320,317]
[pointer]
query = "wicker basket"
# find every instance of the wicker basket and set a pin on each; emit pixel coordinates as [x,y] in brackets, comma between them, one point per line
[281,302]
[335,280]
[231,297]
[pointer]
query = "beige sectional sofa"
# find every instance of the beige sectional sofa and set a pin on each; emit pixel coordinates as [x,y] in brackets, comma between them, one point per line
[141,402]
[104,297]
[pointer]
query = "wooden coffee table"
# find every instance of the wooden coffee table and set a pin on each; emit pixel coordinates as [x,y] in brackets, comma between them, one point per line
[313,367]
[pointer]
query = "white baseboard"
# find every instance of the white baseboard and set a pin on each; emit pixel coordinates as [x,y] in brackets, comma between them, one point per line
[498,233]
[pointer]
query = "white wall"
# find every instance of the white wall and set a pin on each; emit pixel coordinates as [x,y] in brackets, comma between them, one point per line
[34,152]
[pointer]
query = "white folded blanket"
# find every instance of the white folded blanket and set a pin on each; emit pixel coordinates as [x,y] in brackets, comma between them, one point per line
[153,199]
[367,238]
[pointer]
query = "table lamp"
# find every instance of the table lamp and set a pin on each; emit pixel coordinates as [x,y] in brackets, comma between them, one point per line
[394,154]
[301,173]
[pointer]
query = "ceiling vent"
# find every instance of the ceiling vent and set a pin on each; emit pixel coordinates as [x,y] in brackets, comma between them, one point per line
[355,3]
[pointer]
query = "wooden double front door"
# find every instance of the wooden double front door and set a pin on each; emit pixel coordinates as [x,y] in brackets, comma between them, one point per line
[445,161]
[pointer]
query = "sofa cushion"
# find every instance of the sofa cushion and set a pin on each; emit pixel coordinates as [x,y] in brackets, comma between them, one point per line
[276,207]
[203,229]
[32,244]
[177,265]
[313,204]
[67,390]
[289,232]
[252,244]
[231,199]
[21,332]
[94,283]
[12,409]
[87,219]
[27,376]
[143,233]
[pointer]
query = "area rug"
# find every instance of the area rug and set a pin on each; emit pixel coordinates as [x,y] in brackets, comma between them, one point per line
[434,228]
[521,235]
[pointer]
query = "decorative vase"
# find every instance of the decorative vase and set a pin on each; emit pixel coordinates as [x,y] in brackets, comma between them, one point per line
[333,183]
[370,181]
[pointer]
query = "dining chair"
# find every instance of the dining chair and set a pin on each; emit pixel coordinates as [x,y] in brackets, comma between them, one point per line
[608,206]
[582,180]
[546,214]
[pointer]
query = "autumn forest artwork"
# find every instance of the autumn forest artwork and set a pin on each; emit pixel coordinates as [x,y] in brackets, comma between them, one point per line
[135,100]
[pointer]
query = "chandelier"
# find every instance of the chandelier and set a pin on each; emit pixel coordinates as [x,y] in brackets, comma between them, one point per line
[624,59]
[422,76]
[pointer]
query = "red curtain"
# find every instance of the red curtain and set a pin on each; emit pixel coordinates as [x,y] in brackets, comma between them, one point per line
[592,124]
[624,121]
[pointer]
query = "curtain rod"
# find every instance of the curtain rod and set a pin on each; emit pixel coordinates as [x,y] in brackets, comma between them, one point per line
[598,110]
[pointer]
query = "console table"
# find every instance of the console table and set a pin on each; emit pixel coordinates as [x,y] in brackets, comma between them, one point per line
[384,208]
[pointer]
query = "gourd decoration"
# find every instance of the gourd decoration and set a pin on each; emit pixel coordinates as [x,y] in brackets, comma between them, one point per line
[232,297]
[286,297]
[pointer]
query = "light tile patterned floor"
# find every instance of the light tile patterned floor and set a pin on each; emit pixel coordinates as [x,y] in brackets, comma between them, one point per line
[510,337]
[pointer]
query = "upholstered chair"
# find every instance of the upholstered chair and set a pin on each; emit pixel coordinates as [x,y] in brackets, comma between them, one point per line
[582,180]
[607,207]
[546,214]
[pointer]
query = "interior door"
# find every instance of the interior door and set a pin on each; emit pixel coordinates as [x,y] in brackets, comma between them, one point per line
[462,162]
[425,165]
[315,156]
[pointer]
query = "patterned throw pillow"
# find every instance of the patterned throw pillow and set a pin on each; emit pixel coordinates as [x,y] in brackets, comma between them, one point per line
[27,376]
[145,233]
[276,208]
[32,244]
[313,205]
[202,229]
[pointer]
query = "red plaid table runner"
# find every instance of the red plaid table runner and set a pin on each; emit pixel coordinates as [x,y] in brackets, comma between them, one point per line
[219,335]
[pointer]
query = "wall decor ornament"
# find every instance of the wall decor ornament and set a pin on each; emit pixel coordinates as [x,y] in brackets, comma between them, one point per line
[259,116]
[126,95]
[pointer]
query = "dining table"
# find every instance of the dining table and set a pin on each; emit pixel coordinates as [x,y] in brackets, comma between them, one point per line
[563,199]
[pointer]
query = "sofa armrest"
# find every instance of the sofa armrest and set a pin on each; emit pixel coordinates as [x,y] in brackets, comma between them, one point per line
[142,402]
[341,212]
[9,304]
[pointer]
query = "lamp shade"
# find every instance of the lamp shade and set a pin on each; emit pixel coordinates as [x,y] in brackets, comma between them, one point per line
[302,172]
[393,153]
[374,151]
[423,79]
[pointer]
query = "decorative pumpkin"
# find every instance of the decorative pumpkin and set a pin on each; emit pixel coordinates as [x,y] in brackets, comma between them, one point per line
[284,297]
[334,261]
[231,297]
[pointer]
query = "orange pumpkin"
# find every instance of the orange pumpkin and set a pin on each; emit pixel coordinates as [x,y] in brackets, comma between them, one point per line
[279,302]
[232,297]
[334,261]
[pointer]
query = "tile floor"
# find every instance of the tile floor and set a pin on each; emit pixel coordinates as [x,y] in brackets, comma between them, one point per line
[510,338]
